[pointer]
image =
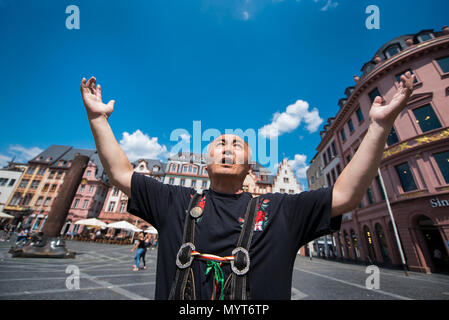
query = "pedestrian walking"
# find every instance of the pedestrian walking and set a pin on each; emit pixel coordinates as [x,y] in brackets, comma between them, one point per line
[139,245]
[147,244]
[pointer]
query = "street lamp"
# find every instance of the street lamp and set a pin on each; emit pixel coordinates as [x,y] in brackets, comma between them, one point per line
[393,222]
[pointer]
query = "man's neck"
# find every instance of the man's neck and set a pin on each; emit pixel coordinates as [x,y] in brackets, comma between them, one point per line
[226,186]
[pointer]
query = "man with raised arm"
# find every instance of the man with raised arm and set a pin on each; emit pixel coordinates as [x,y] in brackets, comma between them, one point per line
[282,222]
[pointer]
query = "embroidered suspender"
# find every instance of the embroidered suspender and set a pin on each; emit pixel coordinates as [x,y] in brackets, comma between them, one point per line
[183,287]
[236,286]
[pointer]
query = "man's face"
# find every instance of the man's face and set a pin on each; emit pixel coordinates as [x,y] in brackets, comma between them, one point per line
[228,155]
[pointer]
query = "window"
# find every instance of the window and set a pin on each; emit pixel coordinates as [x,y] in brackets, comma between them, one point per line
[11,183]
[328,177]
[53,188]
[373,94]
[184,169]
[75,204]
[444,64]
[425,37]
[325,159]
[30,170]
[334,149]
[343,135]
[3,181]
[398,76]
[111,206]
[88,173]
[338,169]
[406,177]
[333,176]
[15,200]
[41,171]
[24,183]
[204,184]
[47,201]
[392,137]
[291,191]
[34,184]
[183,182]
[369,193]
[82,188]
[171,181]
[426,118]
[27,199]
[86,202]
[59,175]
[155,169]
[39,201]
[359,114]
[91,189]
[193,183]
[379,185]
[45,188]
[351,126]
[115,191]
[392,50]
[442,160]
[286,180]
[51,175]
[282,190]
[122,207]
[329,154]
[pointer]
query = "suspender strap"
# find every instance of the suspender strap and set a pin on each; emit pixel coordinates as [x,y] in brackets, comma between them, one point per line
[240,265]
[184,257]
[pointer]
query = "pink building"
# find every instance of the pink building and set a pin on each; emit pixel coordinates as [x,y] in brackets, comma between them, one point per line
[90,196]
[115,204]
[415,166]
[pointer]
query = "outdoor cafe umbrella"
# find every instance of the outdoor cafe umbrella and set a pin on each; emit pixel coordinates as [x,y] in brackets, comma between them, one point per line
[151,230]
[93,222]
[5,215]
[124,225]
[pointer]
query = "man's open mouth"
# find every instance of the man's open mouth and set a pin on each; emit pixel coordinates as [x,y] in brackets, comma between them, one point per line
[227,160]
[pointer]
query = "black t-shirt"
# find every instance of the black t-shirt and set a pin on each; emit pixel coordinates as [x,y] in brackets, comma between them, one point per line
[284,223]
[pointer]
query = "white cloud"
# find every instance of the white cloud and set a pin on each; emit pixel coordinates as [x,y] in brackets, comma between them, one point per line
[19,153]
[139,145]
[299,165]
[4,160]
[245,15]
[290,120]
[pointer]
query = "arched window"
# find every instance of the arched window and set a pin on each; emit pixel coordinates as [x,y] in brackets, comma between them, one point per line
[392,50]
[382,242]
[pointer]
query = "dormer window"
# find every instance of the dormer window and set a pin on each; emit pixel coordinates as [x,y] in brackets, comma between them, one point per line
[49,159]
[368,67]
[155,169]
[392,50]
[425,36]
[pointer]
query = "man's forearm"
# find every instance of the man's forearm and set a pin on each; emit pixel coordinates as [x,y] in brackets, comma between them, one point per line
[111,154]
[357,176]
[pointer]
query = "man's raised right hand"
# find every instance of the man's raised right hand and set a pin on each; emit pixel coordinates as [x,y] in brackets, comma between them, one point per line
[91,93]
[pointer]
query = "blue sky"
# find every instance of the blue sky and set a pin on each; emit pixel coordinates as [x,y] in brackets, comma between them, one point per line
[229,64]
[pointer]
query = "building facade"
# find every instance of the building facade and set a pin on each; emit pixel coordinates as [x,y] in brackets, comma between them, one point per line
[9,179]
[90,196]
[188,170]
[415,164]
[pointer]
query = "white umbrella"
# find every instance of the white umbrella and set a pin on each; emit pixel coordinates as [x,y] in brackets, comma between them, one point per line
[5,215]
[125,225]
[93,222]
[151,230]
